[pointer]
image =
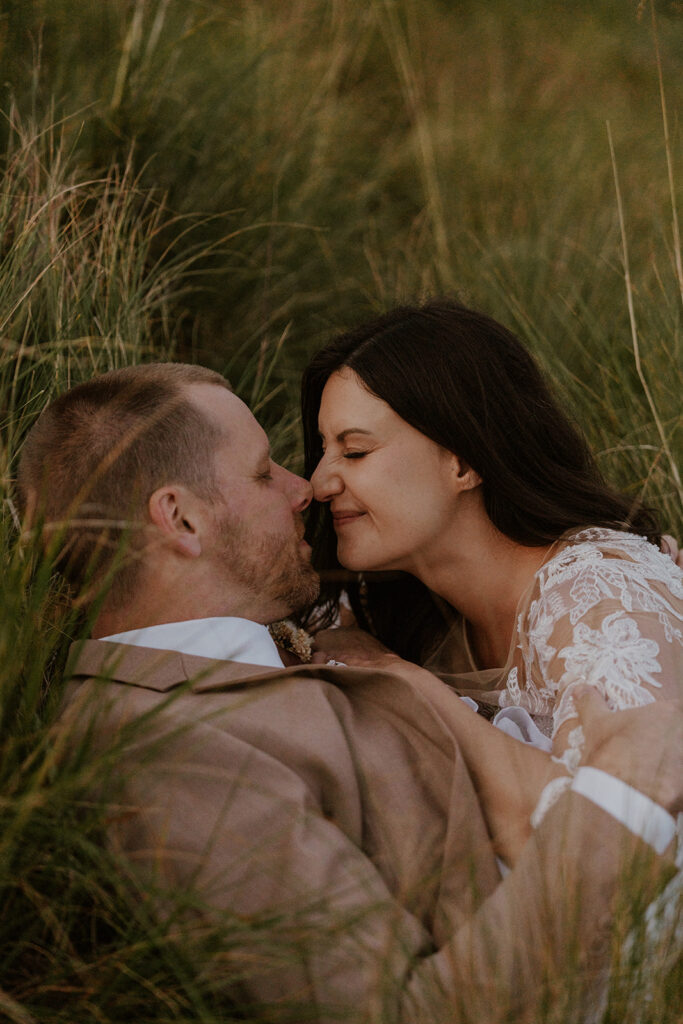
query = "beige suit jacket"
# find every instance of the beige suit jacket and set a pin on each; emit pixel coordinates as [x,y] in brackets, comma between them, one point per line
[337,799]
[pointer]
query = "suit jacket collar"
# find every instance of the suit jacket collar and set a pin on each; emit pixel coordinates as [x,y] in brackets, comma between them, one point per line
[160,670]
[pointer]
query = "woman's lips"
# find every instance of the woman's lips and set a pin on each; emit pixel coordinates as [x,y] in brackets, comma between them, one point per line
[341,519]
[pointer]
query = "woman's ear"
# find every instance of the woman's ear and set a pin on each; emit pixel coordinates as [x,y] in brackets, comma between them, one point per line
[464,476]
[175,513]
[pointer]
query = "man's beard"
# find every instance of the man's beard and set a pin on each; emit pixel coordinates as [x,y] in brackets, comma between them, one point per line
[270,566]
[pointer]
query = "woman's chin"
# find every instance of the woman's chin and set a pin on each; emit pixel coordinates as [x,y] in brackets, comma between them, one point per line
[352,560]
[357,560]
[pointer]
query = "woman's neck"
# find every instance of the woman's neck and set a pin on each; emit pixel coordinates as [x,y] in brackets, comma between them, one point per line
[483,574]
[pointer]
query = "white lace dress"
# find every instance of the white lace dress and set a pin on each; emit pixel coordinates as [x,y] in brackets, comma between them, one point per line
[606,608]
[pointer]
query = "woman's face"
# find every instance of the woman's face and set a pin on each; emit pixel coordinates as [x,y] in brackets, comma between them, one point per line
[392,491]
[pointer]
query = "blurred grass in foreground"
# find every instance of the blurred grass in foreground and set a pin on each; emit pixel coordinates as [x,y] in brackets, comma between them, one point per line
[230,182]
[77,294]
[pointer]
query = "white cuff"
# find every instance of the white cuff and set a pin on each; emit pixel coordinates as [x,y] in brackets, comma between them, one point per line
[632,808]
[518,723]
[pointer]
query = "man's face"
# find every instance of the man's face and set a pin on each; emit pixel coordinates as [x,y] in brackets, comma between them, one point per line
[256,539]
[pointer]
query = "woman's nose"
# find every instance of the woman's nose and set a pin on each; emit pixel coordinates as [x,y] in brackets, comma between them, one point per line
[325,482]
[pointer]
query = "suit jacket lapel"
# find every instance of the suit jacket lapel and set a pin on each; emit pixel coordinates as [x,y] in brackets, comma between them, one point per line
[161,670]
[156,669]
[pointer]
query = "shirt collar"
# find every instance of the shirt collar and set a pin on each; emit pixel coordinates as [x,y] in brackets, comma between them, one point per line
[223,638]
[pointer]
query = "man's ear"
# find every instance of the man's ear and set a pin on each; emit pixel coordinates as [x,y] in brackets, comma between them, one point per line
[175,513]
[464,477]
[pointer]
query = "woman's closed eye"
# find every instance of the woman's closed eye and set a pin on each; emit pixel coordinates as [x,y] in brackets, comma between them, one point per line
[354,455]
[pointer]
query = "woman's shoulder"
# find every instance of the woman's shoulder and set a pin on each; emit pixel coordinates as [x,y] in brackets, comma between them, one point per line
[612,557]
[607,608]
[601,577]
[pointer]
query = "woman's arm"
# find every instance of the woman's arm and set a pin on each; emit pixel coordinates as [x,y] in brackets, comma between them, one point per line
[608,613]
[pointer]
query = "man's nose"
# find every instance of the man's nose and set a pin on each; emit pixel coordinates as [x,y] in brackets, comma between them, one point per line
[300,490]
[326,483]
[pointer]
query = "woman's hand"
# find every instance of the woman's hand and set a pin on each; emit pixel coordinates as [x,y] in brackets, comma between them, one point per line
[353,646]
[671,548]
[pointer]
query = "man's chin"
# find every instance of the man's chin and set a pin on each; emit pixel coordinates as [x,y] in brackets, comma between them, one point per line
[300,594]
[308,590]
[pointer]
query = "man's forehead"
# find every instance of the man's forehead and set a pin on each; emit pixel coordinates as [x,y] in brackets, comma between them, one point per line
[230,414]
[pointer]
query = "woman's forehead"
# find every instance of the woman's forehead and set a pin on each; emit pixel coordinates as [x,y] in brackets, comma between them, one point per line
[347,406]
[345,392]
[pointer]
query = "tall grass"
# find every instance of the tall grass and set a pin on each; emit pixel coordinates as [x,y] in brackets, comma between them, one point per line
[344,157]
[229,183]
[77,295]
[80,293]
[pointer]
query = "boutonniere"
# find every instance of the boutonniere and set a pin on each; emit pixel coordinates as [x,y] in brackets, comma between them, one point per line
[291,637]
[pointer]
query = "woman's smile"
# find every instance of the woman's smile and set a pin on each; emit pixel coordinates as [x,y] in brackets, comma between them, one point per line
[345,517]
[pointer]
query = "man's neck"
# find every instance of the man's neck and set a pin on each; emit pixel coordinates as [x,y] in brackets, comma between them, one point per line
[158,605]
[178,591]
[112,621]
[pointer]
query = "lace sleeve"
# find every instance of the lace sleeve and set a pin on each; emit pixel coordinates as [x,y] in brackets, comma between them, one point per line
[608,612]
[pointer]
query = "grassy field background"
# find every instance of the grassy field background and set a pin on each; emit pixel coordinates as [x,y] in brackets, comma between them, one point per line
[231,182]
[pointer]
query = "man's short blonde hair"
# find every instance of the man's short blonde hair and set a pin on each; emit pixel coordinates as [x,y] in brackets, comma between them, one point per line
[97,453]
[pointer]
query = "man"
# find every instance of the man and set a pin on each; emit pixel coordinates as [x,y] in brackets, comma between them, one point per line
[333,797]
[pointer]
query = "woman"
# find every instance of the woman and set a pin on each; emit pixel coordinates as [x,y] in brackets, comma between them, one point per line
[443,464]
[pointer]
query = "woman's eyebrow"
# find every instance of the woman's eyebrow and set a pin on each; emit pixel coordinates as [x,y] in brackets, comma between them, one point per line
[349,430]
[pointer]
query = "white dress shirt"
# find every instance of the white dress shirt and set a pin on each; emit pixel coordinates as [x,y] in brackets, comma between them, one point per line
[225,638]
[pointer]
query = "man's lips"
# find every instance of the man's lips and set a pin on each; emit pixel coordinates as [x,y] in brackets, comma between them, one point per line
[344,517]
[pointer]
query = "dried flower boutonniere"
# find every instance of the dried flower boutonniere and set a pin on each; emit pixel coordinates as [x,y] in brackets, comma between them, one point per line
[291,637]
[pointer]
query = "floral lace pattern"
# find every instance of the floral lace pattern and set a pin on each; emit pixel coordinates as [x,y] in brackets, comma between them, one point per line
[606,610]
[615,658]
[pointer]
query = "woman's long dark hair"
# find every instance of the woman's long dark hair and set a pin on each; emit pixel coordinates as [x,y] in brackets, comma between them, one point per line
[466,382]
